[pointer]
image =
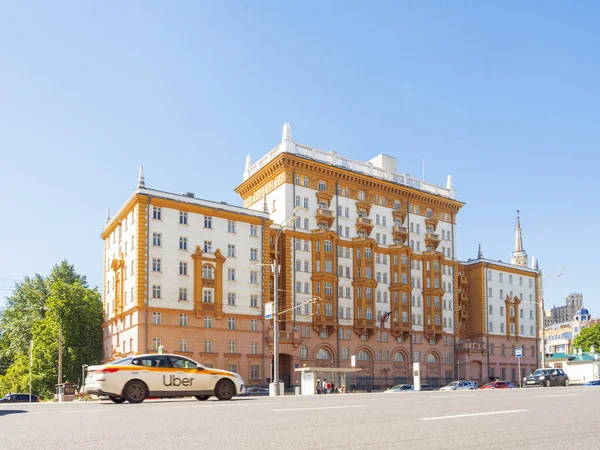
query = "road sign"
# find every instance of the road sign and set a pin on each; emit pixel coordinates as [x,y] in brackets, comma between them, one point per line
[269,310]
[518,352]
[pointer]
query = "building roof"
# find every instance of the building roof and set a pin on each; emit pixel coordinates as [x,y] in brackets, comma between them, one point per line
[583,312]
[573,358]
[470,262]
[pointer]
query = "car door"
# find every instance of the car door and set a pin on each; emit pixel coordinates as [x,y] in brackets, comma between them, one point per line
[187,377]
[151,371]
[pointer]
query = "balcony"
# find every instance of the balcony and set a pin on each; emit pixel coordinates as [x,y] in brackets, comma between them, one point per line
[431,223]
[325,215]
[432,240]
[399,233]
[285,337]
[463,280]
[398,214]
[364,323]
[471,347]
[365,225]
[323,320]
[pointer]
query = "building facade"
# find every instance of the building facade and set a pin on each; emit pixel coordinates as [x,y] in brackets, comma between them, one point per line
[367,269]
[566,312]
[559,336]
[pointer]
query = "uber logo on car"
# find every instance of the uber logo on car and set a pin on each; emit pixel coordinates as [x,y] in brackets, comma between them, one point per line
[172,380]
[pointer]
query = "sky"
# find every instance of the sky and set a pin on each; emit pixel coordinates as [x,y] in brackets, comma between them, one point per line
[504,96]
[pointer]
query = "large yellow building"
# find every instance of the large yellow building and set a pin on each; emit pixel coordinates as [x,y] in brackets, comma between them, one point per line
[367,261]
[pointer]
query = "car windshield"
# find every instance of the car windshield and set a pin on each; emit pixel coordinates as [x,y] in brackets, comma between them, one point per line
[120,361]
[539,372]
[454,383]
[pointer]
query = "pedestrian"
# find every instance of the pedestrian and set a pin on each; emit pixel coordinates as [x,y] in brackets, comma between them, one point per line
[318,386]
[325,386]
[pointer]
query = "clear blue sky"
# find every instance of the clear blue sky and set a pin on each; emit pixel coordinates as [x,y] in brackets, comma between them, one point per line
[503,96]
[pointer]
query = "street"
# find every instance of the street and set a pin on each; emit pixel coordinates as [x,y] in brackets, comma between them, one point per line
[547,418]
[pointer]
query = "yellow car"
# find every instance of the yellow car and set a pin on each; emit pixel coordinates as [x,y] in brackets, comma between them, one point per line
[136,378]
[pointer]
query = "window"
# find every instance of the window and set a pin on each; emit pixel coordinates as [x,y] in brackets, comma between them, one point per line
[232,347]
[156,239]
[417,357]
[253,254]
[156,263]
[156,213]
[230,274]
[183,345]
[183,320]
[254,348]
[156,291]
[183,268]
[156,343]
[491,327]
[502,310]
[208,322]
[254,301]
[231,298]
[231,226]
[448,358]
[254,325]
[305,181]
[207,295]
[208,272]
[207,246]
[231,250]
[231,323]
[183,218]
[322,186]
[491,309]
[156,318]
[253,231]
[207,222]
[253,277]
[183,241]
[303,352]
[208,347]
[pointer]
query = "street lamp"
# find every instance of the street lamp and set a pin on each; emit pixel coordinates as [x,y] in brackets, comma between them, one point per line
[275,269]
[60,350]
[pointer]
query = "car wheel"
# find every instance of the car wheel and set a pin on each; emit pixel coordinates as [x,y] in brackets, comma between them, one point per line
[566,382]
[135,391]
[548,383]
[224,390]
[202,398]
[116,399]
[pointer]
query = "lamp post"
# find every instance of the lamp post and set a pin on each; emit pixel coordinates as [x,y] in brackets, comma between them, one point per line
[60,351]
[275,269]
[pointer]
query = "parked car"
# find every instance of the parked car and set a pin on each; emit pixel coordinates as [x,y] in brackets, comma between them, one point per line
[547,377]
[498,385]
[459,386]
[592,383]
[19,398]
[427,387]
[254,391]
[399,388]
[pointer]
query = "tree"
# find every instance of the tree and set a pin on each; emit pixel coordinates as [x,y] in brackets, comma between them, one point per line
[587,338]
[36,310]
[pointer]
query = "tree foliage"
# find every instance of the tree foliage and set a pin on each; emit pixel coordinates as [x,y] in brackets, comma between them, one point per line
[36,311]
[587,338]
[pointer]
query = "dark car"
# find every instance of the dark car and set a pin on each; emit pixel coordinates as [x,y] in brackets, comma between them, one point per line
[426,387]
[19,398]
[253,391]
[592,383]
[547,377]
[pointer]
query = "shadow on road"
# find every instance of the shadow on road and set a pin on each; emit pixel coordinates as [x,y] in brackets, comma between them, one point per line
[6,412]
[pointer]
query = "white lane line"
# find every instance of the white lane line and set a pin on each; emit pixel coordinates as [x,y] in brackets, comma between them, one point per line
[557,395]
[475,414]
[230,404]
[323,407]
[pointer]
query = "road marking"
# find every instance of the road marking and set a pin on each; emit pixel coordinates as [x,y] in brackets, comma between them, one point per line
[323,407]
[475,414]
[236,403]
[557,395]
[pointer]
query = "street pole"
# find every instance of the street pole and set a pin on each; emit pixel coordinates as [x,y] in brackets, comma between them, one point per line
[275,324]
[519,369]
[60,362]
[543,334]
[30,366]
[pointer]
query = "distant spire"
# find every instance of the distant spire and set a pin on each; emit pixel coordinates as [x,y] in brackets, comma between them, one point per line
[537,264]
[265,205]
[141,180]
[247,163]
[479,252]
[449,182]
[107,215]
[287,132]
[519,257]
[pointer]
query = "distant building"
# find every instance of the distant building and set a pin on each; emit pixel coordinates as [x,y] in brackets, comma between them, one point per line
[562,314]
[559,336]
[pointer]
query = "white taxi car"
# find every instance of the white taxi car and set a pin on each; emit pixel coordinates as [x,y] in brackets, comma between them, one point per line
[138,377]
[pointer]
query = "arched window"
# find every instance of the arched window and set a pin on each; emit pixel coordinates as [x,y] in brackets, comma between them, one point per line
[363,356]
[323,353]
[432,358]
[398,357]
[208,272]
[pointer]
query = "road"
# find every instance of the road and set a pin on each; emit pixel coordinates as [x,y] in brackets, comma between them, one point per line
[539,418]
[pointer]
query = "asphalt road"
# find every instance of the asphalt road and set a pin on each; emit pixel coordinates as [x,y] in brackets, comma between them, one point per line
[538,418]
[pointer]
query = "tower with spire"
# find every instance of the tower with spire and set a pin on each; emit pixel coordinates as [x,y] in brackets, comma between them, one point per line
[519,256]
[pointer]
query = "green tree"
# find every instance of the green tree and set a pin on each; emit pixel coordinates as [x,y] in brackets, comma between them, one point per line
[37,310]
[587,338]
